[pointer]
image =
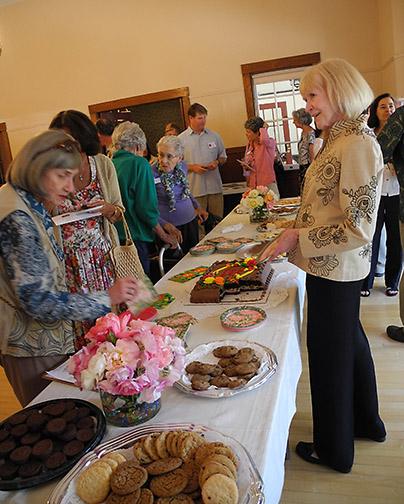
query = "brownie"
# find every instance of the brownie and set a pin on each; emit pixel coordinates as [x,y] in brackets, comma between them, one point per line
[73,448]
[42,449]
[55,410]
[69,433]
[21,455]
[4,433]
[31,438]
[56,460]
[70,415]
[6,447]
[8,471]
[85,434]
[36,422]
[85,422]
[83,411]
[19,431]
[56,426]
[70,405]
[31,469]
[17,419]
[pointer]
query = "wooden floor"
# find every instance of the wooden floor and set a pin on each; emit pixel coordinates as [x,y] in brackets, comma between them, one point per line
[378,473]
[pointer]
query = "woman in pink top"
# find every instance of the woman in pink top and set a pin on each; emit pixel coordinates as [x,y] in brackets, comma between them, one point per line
[259,154]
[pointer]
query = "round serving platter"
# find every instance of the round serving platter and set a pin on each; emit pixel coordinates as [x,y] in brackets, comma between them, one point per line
[202,250]
[47,474]
[249,482]
[203,353]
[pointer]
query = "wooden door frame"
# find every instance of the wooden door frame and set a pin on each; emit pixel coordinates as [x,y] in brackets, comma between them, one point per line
[5,151]
[250,69]
[171,94]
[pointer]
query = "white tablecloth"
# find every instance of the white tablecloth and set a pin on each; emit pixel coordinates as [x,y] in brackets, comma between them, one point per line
[260,418]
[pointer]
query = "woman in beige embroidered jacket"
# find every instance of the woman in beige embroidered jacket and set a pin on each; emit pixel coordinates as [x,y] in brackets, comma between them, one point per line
[331,242]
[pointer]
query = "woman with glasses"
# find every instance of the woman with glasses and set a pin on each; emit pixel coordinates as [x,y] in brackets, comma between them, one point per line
[175,201]
[36,307]
[87,243]
[138,192]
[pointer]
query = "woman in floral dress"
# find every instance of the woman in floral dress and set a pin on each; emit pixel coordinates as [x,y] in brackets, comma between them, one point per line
[87,242]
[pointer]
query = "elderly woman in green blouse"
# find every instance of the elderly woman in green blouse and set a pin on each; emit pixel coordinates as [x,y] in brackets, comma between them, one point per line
[138,192]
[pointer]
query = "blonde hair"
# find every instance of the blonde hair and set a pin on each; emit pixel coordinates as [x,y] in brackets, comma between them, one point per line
[46,151]
[347,90]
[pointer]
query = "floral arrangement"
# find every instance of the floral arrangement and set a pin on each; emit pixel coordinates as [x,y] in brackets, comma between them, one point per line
[129,356]
[259,197]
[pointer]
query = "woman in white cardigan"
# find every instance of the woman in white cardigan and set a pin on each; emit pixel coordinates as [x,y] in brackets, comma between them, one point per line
[331,242]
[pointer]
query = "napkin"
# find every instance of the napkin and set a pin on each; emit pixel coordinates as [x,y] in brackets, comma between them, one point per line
[235,227]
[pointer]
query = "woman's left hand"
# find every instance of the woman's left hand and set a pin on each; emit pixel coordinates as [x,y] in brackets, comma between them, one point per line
[173,231]
[202,214]
[111,212]
[285,242]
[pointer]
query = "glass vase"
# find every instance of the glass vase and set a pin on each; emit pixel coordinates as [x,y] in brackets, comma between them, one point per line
[124,410]
[259,214]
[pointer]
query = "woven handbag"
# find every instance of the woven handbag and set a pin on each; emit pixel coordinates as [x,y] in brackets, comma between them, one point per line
[125,257]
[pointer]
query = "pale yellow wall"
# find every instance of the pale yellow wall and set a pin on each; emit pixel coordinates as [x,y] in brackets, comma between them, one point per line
[59,55]
[391,39]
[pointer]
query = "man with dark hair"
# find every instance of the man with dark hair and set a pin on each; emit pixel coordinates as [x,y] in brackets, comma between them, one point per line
[204,152]
[172,129]
[391,139]
[105,128]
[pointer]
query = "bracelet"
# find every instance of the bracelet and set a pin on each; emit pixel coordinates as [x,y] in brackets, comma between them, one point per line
[116,211]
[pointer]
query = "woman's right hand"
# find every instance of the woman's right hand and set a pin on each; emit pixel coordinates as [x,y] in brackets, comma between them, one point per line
[124,290]
[284,243]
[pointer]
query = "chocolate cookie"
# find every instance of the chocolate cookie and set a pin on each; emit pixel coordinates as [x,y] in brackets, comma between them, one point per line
[225,351]
[85,434]
[8,471]
[30,438]
[4,433]
[56,426]
[17,419]
[7,447]
[73,448]
[19,431]
[69,433]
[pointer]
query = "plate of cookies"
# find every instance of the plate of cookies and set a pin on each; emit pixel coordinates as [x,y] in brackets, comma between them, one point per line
[226,367]
[174,463]
[46,440]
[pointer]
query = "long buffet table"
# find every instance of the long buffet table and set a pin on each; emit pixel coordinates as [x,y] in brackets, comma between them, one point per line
[259,419]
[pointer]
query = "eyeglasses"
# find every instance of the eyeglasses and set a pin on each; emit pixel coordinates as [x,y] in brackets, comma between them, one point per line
[68,146]
[168,156]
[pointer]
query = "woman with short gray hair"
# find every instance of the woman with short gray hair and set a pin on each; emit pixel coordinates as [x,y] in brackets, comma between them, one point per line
[36,309]
[302,119]
[175,201]
[138,192]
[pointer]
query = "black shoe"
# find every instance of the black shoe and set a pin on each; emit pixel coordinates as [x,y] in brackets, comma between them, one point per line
[395,333]
[306,450]
[378,439]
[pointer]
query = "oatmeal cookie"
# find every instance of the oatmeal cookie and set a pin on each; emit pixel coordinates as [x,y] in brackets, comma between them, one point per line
[128,477]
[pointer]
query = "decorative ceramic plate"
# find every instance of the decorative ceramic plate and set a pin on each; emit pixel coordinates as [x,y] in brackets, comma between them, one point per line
[44,473]
[204,353]
[242,318]
[249,481]
[228,247]
[204,249]
[218,239]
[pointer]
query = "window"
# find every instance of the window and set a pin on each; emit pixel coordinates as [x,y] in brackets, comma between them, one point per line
[272,92]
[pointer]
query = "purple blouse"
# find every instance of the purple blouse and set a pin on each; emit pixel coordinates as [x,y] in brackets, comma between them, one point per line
[184,208]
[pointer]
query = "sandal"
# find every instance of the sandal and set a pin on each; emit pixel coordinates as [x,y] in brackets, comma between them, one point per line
[366,293]
[391,292]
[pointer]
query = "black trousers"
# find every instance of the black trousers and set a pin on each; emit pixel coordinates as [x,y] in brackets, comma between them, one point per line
[342,376]
[388,214]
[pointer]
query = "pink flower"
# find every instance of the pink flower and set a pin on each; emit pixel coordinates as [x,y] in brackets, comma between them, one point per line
[129,356]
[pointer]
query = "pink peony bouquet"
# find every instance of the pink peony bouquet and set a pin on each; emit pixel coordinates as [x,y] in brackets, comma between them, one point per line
[129,356]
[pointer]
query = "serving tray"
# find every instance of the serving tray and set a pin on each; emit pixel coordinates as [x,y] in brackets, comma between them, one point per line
[250,484]
[269,363]
[46,474]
